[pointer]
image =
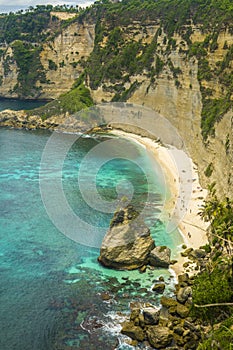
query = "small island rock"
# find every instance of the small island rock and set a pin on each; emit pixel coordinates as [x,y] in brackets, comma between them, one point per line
[128,243]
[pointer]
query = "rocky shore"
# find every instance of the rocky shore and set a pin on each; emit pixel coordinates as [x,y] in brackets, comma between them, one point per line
[128,245]
[171,326]
[20,120]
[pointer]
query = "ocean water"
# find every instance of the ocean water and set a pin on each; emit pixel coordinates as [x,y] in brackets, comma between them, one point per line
[16,105]
[53,292]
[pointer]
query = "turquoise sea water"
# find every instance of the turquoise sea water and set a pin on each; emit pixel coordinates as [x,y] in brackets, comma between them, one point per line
[52,289]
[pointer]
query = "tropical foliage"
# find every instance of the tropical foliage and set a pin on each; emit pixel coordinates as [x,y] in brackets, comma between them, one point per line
[213,287]
[73,101]
[31,71]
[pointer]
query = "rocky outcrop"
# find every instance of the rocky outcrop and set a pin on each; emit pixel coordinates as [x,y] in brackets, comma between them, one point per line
[62,59]
[128,243]
[159,288]
[159,337]
[132,331]
[19,119]
[68,50]
[160,256]
[151,315]
[171,326]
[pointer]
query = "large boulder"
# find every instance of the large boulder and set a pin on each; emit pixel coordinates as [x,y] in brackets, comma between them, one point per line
[132,331]
[182,310]
[151,315]
[160,256]
[159,337]
[183,294]
[128,243]
[158,288]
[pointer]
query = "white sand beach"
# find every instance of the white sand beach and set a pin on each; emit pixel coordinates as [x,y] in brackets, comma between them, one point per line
[186,195]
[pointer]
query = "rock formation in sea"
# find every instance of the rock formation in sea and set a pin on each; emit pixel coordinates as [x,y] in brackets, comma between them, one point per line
[128,242]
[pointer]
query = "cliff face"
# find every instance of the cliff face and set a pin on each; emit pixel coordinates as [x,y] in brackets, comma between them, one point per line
[67,51]
[182,105]
[62,60]
[8,73]
[185,82]
[178,98]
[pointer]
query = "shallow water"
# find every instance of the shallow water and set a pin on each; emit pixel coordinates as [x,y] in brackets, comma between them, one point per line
[53,291]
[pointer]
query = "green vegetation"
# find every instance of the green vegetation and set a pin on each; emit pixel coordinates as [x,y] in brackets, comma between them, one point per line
[73,101]
[221,338]
[28,26]
[76,99]
[33,25]
[209,170]
[52,65]
[30,68]
[121,56]
[118,54]
[125,95]
[214,285]
[213,109]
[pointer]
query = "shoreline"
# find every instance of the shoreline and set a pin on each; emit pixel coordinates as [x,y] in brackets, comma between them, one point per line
[186,197]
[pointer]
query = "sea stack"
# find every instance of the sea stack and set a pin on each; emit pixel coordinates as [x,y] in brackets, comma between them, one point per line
[128,243]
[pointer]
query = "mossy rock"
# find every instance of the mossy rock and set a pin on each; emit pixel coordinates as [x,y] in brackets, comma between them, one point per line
[168,302]
[132,331]
[182,311]
[159,288]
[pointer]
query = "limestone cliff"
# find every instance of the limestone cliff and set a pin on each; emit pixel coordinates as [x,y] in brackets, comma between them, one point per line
[61,56]
[67,52]
[177,93]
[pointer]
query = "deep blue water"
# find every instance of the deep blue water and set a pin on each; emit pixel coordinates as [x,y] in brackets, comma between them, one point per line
[17,105]
[52,288]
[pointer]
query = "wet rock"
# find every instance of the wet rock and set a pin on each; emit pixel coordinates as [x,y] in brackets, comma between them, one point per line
[105,296]
[141,320]
[132,331]
[182,310]
[134,314]
[168,302]
[183,280]
[199,253]
[173,262]
[151,315]
[159,288]
[172,310]
[190,326]
[159,337]
[128,243]
[187,252]
[143,269]
[160,256]
[183,294]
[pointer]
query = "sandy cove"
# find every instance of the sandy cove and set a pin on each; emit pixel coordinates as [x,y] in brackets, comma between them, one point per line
[186,196]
